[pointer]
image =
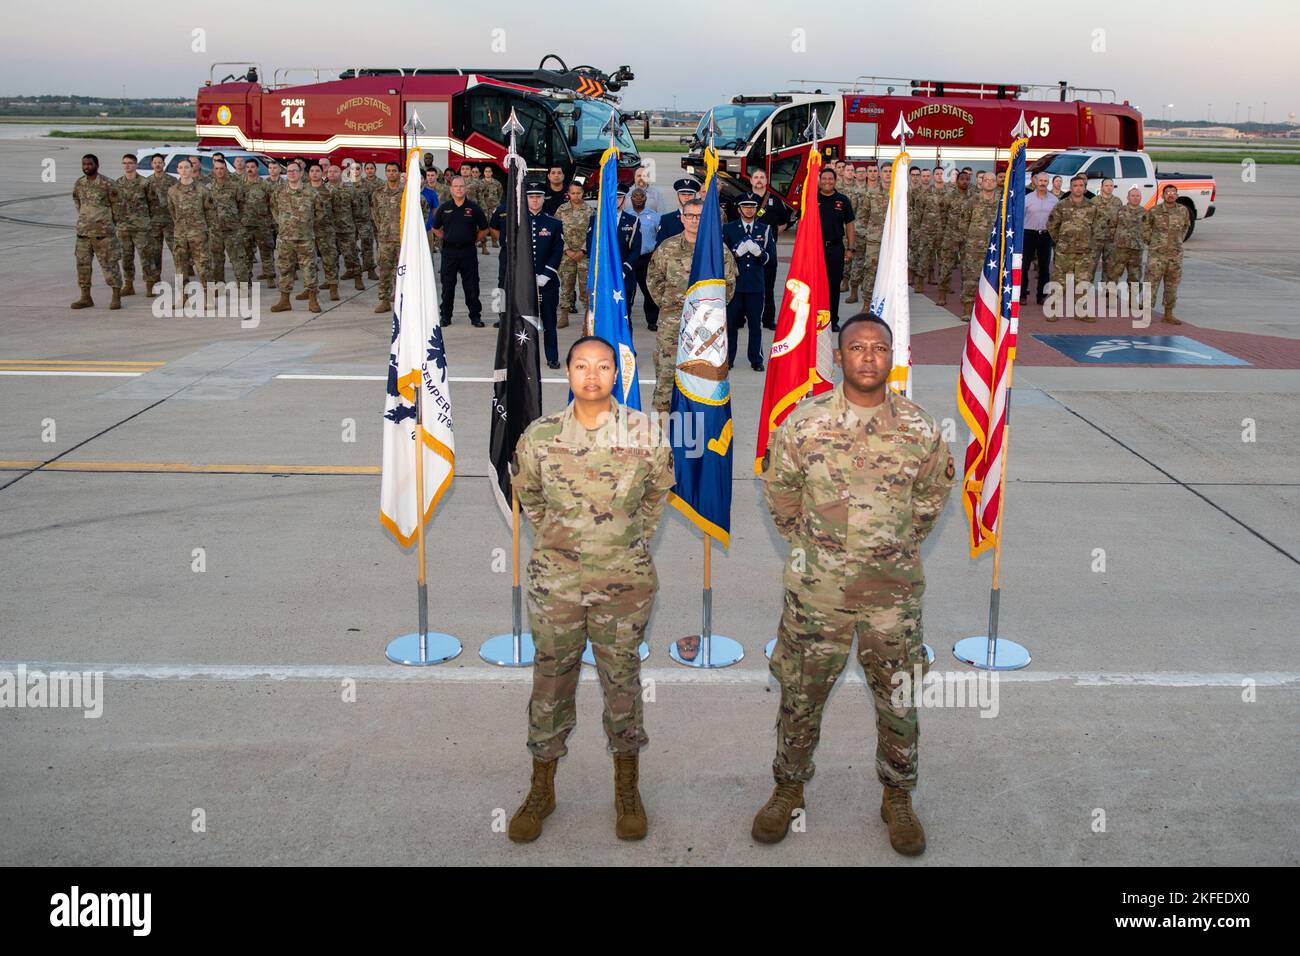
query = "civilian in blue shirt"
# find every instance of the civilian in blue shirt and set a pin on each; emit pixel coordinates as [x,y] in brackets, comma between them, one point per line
[431,203]
[649,230]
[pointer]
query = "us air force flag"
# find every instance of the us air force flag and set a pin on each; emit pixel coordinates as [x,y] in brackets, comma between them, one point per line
[701,394]
[889,297]
[607,298]
[417,371]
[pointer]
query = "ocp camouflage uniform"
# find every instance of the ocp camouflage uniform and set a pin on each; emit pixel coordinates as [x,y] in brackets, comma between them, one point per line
[134,215]
[668,278]
[956,220]
[386,213]
[369,187]
[345,228]
[1127,260]
[575,220]
[360,196]
[1163,229]
[188,206]
[975,245]
[226,239]
[1105,211]
[919,201]
[855,501]
[594,499]
[97,230]
[298,217]
[1070,226]
[868,227]
[259,226]
[160,186]
[325,247]
[490,193]
[931,230]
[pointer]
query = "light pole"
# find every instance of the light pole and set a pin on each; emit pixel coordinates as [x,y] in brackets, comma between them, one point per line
[1236,112]
[1170,107]
[1264,113]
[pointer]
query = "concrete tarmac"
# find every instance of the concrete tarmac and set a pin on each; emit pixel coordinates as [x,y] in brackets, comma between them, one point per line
[1150,565]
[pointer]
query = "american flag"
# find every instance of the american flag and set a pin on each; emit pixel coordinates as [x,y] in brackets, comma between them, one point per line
[985,384]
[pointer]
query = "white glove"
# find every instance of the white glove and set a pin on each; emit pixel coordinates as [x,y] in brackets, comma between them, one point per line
[752,248]
[542,280]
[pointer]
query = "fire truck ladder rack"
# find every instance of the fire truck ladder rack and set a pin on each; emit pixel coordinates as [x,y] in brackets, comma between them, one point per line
[584,79]
[902,86]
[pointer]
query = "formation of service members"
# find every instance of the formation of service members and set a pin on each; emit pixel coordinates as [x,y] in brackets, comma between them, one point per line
[855,480]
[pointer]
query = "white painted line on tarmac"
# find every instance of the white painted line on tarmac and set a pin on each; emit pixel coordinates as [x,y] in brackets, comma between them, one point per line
[456,672]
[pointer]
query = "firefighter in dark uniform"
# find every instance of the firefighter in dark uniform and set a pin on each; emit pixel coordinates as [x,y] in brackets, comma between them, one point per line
[837,237]
[548,246]
[557,190]
[629,247]
[753,244]
[670,224]
[460,224]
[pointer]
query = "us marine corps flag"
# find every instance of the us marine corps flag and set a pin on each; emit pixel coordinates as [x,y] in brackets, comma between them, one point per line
[517,372]
[805,311]
[417,411]
[889,297]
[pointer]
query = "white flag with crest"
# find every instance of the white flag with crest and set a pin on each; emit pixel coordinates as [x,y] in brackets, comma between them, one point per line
[889,297]
[417,364]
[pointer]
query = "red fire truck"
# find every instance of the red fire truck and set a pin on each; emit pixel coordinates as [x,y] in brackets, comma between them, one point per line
[966,124]
[362,113]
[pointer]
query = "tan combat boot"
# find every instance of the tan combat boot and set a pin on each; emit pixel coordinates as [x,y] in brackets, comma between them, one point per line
[350,274]
[773,821]
[312,304]
[85,302]
[905,832]
[334,291]
[357,283]
[1169,317]
[844,285]
[117,299]
[526,824]
[562,322]
[372,275]
[129,287]
[302,296]
[283,305]
[853,293]
[943,296]
[966,306]
[630,821]
[383,306]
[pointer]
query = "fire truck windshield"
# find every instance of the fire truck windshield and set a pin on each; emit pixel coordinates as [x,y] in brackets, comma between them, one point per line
[591,118]
[1062,164]
[735,123]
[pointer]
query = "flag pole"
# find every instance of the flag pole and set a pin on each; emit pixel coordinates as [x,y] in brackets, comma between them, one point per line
[999,655]
[422,648]
[516,648]
[712,650]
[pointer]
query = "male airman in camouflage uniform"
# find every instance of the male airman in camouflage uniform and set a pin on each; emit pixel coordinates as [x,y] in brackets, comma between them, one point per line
[160,226]
[868,227]
[593,481]
[187,203]
[345,227]
[299,215]
[259,227]
[1070,225]
[95,198]
[134,217]
[226,239]
[931,225]
[1163,230]
[918,200]
[1127,260]
[386,213]
[1106,209]
[855,480]
[668,278]
[490,192]
[956,220]
[575,217]
[325,247]
[975,239]
[360,194]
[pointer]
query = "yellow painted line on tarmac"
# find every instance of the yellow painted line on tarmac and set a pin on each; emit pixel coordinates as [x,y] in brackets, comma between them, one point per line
[184,468]
[89,363]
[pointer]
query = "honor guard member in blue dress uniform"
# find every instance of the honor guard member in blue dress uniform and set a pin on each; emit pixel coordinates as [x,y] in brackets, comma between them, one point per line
[670,224]
[460,223]
[754,245]
[548,246]
[629,245]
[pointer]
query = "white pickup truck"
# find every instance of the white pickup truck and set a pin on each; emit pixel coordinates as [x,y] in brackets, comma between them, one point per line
[1129,169]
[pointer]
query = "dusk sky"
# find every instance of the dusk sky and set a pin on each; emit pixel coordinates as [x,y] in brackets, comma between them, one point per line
[1191,53]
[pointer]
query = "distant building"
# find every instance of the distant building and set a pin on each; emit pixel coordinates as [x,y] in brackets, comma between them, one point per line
[1206,132]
